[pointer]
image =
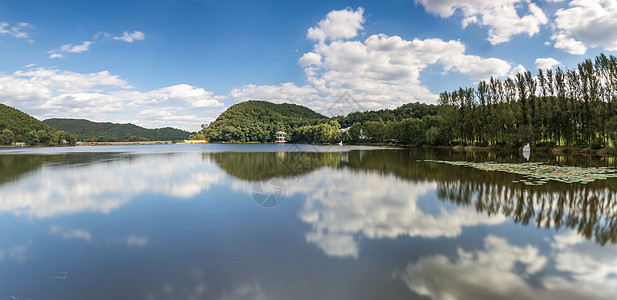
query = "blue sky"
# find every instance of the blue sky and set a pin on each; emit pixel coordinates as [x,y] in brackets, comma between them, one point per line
[181,63]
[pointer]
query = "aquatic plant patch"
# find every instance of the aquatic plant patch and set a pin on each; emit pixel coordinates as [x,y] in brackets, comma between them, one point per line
[538,173]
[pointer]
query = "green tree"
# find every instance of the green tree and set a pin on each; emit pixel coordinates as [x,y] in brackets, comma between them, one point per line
[32,138]
[7,137]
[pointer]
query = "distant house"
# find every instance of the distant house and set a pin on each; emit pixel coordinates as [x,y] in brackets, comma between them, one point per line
[195,141]
[281,137]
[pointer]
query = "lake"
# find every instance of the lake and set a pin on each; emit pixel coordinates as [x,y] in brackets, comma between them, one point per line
[289,221]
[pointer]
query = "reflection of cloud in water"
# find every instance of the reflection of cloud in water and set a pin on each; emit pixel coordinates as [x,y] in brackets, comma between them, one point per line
[341,204]
[15,252]
[503,270]
[135,241]
[105,186]
[69,234]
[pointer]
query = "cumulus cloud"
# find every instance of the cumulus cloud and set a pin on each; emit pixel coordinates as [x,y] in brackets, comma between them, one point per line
[380,72]
[184,93]
[49,92]
[286,92]
[338,24]
[568,44]
[546,62]
[18,30]
[516,70]
[129,37]
[586,24]
[500,16]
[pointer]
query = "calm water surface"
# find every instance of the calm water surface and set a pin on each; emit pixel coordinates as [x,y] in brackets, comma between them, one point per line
[297,222]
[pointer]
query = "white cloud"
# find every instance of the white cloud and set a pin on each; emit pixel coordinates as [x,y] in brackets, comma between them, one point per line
[568,44]
[586,24]
[546,62]
[129,37]
[500,16]
[516,70]
[17,30]
[178,116]
[286,92]
[184,93]
[380,72]
[338,24]
[67,81]
[85,46]
[98,96]
[310,58]
[69,234]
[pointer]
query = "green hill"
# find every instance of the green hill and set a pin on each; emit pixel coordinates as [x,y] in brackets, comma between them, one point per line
[257,121]
[87,130]
[19,122]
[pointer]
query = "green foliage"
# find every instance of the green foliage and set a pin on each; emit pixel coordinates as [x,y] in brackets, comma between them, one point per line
[7,137]
[32,138]
[86,130]
[436,136]
[611,130]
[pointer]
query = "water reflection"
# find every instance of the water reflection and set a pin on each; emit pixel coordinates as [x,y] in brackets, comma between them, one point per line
[589,209]
[101,182]
[503,270]
[357,224]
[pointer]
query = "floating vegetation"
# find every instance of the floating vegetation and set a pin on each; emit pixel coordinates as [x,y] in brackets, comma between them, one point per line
[538,173]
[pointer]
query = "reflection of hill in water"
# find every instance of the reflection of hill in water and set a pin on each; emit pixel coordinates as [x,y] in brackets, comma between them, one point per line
[265,165]
[588,209]
[14,166]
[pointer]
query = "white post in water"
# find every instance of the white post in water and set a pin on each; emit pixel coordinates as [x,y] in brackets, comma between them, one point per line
[526,151]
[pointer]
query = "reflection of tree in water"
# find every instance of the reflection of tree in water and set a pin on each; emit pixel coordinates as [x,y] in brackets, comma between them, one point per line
[266,165]
[14,166]
[590,209]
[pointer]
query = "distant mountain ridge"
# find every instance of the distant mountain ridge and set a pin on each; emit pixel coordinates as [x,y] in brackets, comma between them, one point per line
[86,130]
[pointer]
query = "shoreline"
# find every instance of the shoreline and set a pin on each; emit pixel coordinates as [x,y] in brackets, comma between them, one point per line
[559,150]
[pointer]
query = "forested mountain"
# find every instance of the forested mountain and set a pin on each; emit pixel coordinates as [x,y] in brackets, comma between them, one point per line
[19,122]
[17,126]
[87,130]
[258,121]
